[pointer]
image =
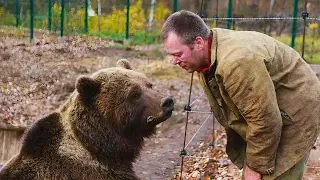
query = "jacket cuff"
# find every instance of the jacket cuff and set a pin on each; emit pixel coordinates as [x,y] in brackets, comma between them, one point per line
[263,171]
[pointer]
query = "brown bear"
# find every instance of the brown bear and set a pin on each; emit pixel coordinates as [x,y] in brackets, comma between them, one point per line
[96,134]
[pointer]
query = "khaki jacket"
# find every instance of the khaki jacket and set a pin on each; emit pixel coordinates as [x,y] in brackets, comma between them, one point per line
[266,97]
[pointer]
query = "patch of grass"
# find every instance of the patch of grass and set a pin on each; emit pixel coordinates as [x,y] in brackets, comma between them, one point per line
[311,48]
[143,37]
[120,47]
[89,61]
[138,38]
[163,69]
[13,31]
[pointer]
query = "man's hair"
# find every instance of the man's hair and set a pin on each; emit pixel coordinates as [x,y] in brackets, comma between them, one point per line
[186,25]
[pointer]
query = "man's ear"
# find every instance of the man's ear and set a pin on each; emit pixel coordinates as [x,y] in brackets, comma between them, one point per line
[199,43]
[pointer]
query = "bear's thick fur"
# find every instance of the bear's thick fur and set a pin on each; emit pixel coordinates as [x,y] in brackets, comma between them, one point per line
[96,134]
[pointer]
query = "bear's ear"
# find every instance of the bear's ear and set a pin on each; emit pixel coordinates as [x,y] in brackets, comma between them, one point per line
[124,63]
[87,87]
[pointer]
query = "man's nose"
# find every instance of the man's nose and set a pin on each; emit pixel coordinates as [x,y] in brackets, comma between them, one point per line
[175,61]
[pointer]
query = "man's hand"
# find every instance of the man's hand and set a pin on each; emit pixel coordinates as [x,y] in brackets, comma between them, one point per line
[250,174]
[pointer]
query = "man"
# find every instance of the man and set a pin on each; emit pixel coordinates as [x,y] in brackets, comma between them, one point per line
[260,90]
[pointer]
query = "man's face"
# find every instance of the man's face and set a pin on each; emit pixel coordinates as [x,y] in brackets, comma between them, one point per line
[186,56]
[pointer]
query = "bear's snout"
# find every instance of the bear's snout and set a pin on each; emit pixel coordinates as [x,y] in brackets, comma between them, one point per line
[167,104]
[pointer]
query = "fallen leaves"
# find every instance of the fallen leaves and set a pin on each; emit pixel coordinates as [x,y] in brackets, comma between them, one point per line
[37,77]
[209,162]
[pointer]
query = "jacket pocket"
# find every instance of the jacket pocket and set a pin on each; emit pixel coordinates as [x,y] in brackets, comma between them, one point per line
[286,118]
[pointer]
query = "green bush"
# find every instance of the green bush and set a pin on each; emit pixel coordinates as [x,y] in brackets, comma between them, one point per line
[112,26]
[6,18]
[311,48]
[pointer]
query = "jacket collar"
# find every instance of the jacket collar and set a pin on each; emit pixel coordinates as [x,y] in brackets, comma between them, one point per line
[205,69]
[214,51]
[214,48]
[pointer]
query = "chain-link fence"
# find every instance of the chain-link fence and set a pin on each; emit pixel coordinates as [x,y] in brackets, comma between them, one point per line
[118,20]
[305,39]
[139,21]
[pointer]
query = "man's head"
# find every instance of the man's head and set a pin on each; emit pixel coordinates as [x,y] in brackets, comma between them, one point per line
[185,37]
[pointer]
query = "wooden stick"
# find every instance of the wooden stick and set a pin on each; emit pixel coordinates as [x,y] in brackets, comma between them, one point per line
[9,127]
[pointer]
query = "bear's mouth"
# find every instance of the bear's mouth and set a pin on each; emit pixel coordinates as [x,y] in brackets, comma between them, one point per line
[167,106]
[164,115]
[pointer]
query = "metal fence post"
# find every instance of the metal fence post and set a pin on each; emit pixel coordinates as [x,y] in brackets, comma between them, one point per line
[127,22]
[62,18]
[31,19]
[294,23]
[175,5]
[305,14]
[86,18]
[229,22]
[17,13]
[49,15]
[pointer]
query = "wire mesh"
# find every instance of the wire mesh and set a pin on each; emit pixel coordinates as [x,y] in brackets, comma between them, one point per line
[107,18]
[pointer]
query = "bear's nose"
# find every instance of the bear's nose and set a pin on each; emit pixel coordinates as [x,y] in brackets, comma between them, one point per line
[167,104]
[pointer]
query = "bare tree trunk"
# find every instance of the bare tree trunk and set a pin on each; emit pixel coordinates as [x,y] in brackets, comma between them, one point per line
[271,6]
[270,15]
[99,16]
[151,21]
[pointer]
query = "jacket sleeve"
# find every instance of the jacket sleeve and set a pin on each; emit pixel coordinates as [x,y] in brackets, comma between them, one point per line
[250,87]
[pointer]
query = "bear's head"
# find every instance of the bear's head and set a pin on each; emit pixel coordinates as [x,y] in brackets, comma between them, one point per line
[115,109]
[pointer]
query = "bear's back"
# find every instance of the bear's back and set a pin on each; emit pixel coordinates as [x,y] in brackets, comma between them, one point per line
[47,154]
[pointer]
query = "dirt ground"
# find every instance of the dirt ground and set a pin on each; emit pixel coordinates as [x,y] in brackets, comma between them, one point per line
[36,78]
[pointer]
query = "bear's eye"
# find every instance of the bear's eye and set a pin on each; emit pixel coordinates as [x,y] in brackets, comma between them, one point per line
[135,92]
[136,95]
[149,85]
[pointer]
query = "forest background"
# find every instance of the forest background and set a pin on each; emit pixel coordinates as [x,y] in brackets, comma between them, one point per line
[108,18]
